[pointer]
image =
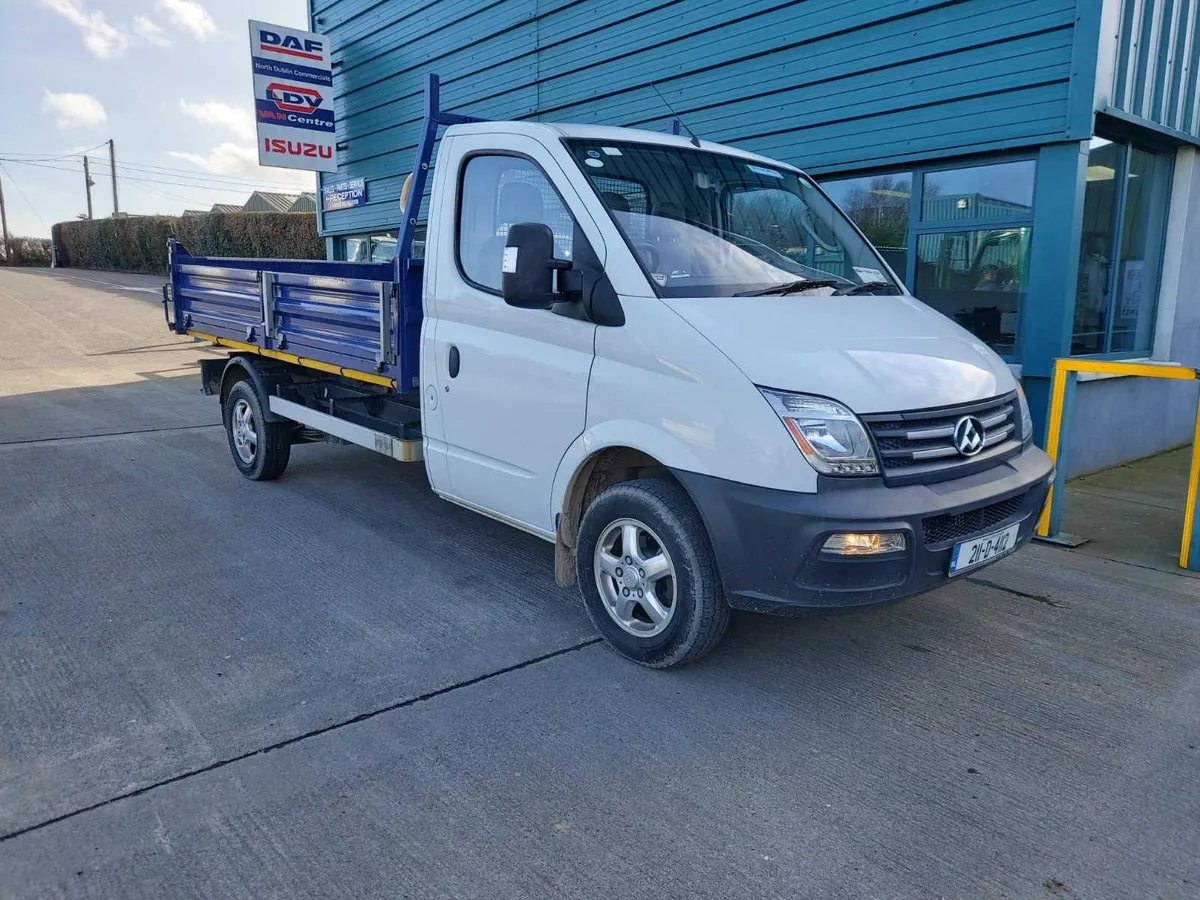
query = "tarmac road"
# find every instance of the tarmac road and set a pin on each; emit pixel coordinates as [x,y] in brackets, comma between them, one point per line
[337,685]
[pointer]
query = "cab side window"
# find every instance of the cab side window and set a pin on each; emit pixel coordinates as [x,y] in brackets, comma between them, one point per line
[497,192]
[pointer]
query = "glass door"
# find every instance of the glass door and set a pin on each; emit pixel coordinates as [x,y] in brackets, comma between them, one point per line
[1120,251]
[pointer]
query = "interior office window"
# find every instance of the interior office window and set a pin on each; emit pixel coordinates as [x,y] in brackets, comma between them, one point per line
[978,278]
[1120,253]
[995,191]
[498,192]
[879,205]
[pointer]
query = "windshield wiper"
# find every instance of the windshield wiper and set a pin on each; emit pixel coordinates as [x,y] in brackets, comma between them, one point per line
[791,287]
[867,287]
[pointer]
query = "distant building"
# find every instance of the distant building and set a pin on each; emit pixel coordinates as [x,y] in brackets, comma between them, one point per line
[225,208]
[195,212]
[305,203]
[265,201]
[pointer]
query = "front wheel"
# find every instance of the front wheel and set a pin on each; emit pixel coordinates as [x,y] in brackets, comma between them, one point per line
[647,574]
[260,449]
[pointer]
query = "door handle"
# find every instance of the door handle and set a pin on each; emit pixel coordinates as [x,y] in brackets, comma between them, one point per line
[453,362]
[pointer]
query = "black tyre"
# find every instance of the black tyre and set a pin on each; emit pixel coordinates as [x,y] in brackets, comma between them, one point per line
[260,449]
[647,574]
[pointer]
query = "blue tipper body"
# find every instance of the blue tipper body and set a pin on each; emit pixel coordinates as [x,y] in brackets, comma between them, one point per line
[364,317]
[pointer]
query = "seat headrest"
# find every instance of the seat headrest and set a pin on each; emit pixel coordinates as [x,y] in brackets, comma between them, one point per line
[520,202]
[616,202]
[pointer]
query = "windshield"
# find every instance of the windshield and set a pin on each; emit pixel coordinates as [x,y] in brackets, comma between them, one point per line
[712,225]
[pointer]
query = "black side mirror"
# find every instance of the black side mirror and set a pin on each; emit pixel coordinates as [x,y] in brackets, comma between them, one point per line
[527,273]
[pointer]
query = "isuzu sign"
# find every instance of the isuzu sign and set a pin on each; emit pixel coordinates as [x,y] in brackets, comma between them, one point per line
[293,98]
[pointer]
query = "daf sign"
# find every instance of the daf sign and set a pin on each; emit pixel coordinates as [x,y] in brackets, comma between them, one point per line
[293,98]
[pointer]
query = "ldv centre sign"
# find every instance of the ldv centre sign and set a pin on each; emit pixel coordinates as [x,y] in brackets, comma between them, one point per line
[293,98]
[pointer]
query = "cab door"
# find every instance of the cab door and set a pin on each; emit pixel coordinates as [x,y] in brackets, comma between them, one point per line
[511,383]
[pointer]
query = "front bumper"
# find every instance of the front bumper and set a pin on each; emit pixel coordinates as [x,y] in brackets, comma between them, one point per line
[768,542]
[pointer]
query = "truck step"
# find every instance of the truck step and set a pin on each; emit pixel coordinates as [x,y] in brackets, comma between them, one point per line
[380,442]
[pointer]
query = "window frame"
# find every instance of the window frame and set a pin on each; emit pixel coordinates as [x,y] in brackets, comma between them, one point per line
[1128,141]
[917,228]
[578,233]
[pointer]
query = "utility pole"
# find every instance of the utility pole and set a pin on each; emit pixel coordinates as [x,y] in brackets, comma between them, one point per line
[87,183]
[4,226]
[112,167]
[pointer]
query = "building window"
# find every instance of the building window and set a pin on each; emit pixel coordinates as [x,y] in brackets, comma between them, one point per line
[978,278]
[879,205]
[373,248]
[996,191]
[971,228]
[1120,253]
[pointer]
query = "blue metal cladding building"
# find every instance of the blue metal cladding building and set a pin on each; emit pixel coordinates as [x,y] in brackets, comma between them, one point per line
[1027,166]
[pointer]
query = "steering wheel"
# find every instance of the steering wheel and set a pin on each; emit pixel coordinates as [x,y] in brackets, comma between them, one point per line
[648,254]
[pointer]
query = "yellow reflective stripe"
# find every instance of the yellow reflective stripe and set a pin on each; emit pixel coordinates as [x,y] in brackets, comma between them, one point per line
[1058,391]
[1111,367]
[1189,513]
[295,360]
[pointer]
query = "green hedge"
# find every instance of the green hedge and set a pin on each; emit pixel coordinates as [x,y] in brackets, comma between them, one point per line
[139,243]
[26,251]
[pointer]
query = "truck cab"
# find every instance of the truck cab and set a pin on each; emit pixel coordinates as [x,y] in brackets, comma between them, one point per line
[683,365]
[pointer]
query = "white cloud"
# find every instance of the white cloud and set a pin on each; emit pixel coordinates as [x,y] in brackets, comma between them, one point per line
[191,15]
[236,160]
[71,110]
[150,31]
[212,112]
[102,38]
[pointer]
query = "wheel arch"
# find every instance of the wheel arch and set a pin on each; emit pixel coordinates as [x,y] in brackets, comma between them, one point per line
[596,472]
[245,366]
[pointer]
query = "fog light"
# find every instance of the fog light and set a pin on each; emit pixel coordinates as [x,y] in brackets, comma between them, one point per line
[867,543]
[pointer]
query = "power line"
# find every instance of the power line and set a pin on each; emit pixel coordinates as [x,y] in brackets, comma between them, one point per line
[170,170]
[24,196]
[152,169]
[159,192]
[42,157]
[191,180]
[217,179]
[196,182]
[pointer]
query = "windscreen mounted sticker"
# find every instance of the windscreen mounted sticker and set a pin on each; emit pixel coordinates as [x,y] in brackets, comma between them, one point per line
[869,274]
[761,170]
[509,265]
[611,151]
[595,163]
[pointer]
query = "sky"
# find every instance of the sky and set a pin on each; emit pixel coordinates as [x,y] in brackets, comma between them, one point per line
[167,80]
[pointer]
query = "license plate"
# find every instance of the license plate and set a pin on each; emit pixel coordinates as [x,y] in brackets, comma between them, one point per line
[977,551]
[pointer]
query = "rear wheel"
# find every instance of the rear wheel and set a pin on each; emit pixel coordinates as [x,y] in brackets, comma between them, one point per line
[647,574]
[260,449]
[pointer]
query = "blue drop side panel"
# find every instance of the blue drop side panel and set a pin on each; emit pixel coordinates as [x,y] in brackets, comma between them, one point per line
[325,311]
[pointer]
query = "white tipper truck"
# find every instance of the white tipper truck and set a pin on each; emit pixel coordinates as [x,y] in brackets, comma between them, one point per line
[679,362]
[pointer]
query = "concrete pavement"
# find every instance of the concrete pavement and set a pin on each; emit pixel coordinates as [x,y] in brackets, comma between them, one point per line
[339,685]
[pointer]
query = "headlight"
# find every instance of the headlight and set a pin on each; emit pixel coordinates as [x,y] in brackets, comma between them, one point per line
[1026,419]
[827,433]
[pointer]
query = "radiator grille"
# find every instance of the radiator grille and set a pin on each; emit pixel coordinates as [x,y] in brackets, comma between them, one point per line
[923,440]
